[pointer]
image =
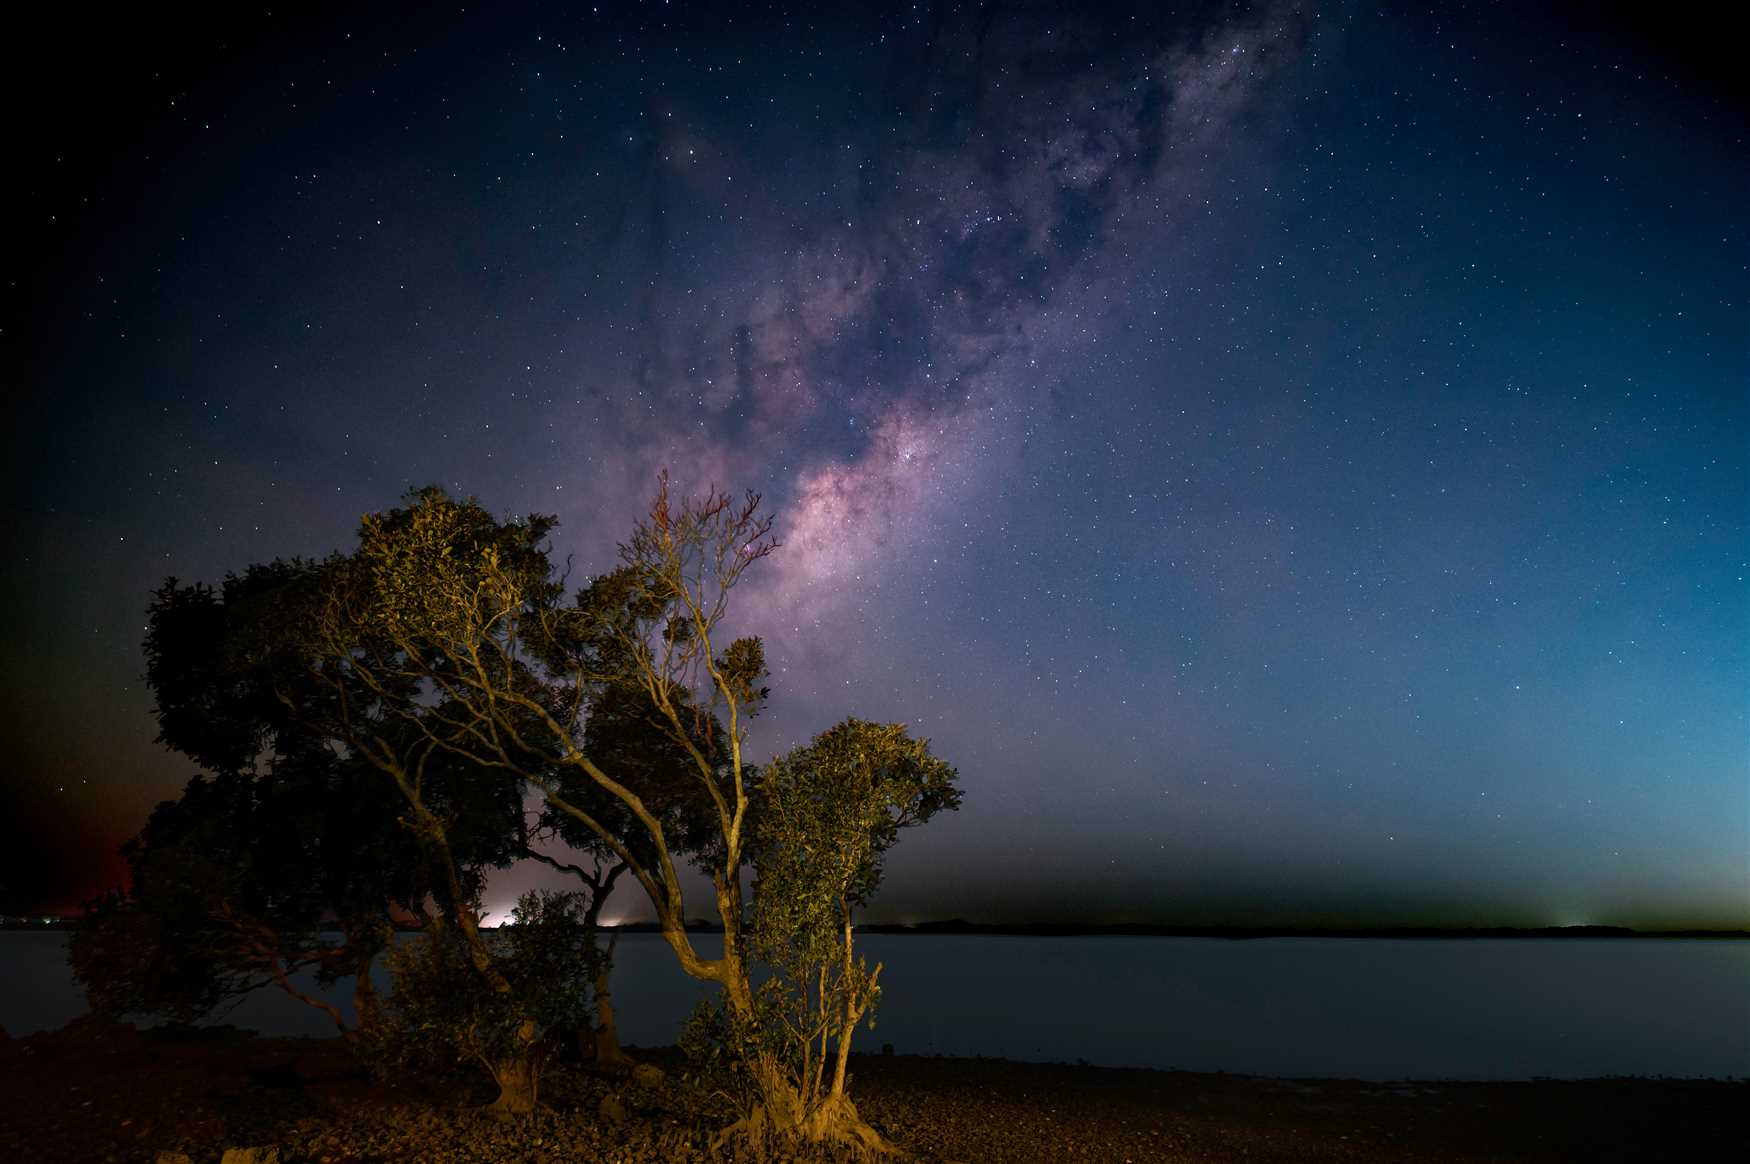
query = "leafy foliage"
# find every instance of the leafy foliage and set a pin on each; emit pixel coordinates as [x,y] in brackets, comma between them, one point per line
[239,882]
[625,734]
[719,1044]
[443,1011]
[829,812]
[446,642]
[132,962]
[227,895]
[616,705]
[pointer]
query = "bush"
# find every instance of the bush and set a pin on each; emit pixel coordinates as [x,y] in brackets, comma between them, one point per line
[442,1010]
[131,965]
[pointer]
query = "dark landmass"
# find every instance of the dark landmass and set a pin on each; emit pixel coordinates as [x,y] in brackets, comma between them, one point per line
[105,1094]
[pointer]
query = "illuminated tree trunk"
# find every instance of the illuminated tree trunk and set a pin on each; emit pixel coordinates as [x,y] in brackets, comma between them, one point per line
[518,1076]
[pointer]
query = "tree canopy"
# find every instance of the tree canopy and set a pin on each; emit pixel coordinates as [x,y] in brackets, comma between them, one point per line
[429,679]
[290,837]
[627,712]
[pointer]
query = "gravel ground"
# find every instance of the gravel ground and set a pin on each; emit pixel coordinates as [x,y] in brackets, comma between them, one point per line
[108,1094]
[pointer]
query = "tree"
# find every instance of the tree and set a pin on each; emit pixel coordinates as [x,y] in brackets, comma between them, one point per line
[239,882]
[225,896]
[292,838]
[413,722]
[164,947]
[828,813]
[440,598]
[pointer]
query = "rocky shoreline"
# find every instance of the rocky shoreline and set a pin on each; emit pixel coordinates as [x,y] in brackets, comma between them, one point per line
[108,1094]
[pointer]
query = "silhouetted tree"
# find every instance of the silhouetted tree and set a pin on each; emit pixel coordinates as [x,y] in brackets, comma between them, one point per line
[291,854]
[188,935]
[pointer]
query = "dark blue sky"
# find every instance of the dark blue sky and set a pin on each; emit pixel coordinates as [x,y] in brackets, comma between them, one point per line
[1293,463]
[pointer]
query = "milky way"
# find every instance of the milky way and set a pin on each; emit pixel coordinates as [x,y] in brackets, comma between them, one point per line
[1291,461]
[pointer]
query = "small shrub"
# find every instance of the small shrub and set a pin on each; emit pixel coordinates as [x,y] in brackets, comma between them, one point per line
[443,1011]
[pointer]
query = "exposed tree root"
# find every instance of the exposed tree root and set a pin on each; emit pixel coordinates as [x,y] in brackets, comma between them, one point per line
[833,1128]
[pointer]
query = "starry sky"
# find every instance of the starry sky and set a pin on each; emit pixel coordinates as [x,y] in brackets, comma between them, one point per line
[1291,459]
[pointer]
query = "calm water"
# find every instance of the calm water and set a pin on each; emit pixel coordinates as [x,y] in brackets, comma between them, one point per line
[1477,1009]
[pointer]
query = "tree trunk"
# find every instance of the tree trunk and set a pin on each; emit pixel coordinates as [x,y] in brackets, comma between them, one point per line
[367,1008]
[585,1036]
[608,1055]
[835,1121]
[856,1006]
[783,1118]
[518,1082]
[519,1076]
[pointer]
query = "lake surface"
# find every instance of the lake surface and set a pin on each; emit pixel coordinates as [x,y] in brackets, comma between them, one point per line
[1296,1007]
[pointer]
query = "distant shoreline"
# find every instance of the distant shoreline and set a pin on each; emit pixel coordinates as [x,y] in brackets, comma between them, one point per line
[959,927]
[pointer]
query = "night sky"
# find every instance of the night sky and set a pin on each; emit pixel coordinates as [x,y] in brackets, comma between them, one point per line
[1292,461]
